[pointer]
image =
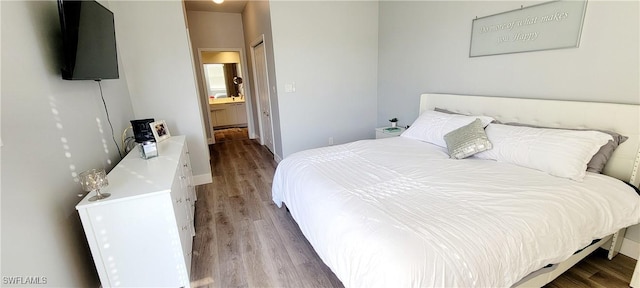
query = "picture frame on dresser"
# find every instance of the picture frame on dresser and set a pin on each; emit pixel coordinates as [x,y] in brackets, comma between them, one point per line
[160,130]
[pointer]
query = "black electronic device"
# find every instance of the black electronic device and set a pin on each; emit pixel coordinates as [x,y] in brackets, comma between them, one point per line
[142,131]
[88,40]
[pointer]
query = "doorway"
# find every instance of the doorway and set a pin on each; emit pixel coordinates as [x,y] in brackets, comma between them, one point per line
[226,100]
[261,76]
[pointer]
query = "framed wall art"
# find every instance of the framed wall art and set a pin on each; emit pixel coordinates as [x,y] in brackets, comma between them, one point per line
[546,26]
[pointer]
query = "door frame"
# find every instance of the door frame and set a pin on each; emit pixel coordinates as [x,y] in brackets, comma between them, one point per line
[253,46]
[247,90]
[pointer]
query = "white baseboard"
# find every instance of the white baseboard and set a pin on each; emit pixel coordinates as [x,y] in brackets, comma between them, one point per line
[630,248]
[277,158]
[202,179]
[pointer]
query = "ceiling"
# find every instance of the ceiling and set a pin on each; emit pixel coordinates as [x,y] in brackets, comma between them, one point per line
[228,6]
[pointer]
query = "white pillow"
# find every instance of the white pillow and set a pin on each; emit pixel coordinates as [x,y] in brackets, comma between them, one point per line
[431,126]
[562,153]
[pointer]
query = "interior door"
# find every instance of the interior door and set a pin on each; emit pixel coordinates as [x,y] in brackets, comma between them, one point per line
[262,85]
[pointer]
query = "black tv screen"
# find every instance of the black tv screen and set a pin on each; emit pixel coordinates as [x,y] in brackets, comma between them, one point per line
[89,41]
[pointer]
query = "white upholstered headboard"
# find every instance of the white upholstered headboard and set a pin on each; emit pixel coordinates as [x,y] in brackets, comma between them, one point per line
[621,118]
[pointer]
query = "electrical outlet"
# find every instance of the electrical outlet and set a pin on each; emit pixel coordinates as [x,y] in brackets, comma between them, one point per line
[330,141]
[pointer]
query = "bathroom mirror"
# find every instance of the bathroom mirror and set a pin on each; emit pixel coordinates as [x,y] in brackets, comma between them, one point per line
[222,74]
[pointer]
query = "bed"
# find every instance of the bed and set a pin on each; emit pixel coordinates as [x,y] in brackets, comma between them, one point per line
[398,212]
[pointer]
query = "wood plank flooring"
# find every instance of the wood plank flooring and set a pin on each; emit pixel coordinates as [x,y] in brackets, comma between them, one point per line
[244,240]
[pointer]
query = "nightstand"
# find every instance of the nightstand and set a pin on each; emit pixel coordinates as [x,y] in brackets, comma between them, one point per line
[386,132]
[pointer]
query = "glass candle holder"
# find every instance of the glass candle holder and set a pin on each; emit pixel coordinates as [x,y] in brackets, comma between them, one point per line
[148,149]
[93,180]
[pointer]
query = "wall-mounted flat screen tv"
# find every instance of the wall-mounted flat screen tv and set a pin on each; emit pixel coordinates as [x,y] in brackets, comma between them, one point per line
[89,41]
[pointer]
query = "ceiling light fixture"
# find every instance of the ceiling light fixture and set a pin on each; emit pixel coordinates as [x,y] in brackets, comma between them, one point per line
[218,1]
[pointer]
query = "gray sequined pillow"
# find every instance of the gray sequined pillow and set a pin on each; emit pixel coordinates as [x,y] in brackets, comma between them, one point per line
[467,140]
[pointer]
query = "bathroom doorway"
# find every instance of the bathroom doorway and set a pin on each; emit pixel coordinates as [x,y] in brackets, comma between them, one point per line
[225,95]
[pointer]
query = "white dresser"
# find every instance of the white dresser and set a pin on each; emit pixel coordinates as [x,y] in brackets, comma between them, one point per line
[141,236]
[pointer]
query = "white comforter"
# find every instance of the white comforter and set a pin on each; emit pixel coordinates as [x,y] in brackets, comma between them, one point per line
[398,212]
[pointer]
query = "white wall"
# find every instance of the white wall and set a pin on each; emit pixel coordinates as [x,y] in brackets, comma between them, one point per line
[157,58]
[50,132]
[213,30]
[256,21]
[330,50]
[424,47]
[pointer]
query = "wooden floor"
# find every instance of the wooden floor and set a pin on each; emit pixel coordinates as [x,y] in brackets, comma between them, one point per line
[243,239]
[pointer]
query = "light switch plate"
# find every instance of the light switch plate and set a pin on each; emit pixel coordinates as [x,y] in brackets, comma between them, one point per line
[290,87]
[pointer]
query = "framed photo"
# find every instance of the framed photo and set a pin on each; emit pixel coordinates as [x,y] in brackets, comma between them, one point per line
[160,130]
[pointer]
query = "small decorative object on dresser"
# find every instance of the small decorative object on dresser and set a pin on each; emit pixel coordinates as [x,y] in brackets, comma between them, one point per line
[141,130]
[93,180]
[148,149]
[160,130]
[394,122]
